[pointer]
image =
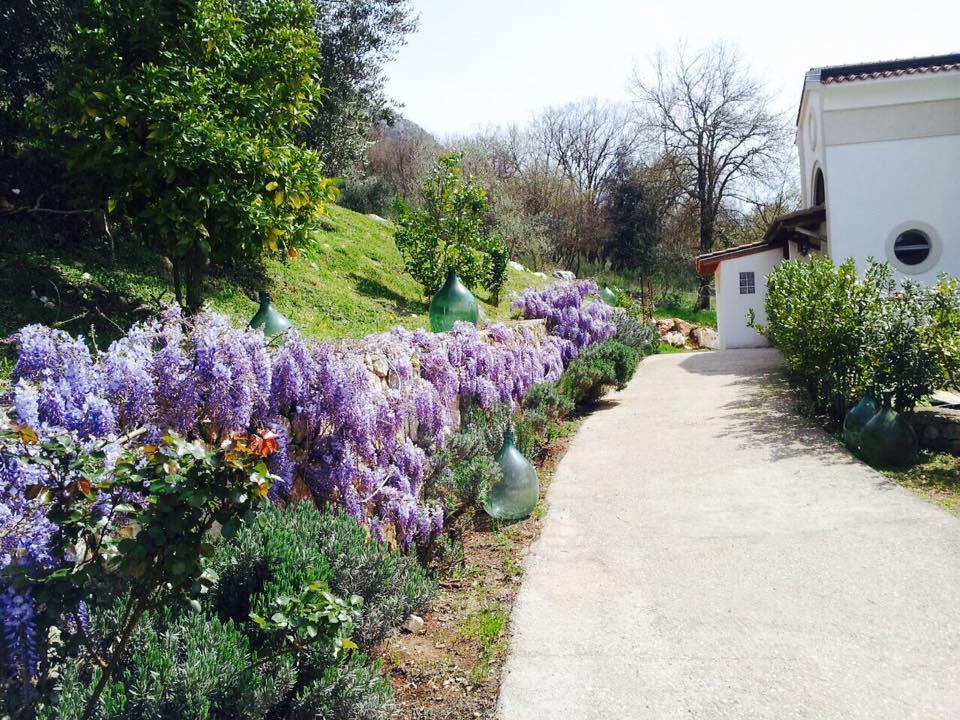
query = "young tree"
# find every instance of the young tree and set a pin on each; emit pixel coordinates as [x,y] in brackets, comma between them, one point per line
[450,231]
[713,120]
[183,116]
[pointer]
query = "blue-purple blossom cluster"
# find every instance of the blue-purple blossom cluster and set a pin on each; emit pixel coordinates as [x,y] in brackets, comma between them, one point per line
[357,423]
[24,539]
[344,433]
[573,312]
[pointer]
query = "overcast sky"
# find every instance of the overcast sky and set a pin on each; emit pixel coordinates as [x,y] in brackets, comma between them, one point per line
[475,63]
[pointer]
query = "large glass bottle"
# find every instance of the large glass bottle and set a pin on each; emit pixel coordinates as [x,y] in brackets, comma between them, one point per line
[453,303]
[858,417]
[888,440]
[268,318]
[514,496]
[608,296]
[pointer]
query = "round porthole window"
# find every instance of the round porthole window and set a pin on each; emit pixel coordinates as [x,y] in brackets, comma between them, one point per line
[913,248]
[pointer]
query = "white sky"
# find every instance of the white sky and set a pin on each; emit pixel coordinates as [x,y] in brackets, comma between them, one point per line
[475,63]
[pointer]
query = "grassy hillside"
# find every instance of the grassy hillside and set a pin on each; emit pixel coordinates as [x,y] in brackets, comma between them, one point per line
[349,282]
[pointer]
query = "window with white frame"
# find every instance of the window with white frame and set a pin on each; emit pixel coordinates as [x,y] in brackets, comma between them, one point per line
[748,283]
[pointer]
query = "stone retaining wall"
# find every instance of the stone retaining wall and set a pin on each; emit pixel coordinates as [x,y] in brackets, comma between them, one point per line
[938,428]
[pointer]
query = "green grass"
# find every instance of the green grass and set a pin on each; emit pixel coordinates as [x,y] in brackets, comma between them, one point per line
[935,476]
[485,627]
[349,281]
[667,348]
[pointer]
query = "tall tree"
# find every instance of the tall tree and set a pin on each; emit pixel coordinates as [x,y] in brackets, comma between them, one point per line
[634,217]
[579,143]
[714,122]
[357,37]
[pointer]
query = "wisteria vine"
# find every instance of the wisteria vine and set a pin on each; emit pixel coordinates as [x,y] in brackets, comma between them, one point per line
[357,422]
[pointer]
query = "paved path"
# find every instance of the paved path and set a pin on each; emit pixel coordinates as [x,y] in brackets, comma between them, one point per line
[708,555]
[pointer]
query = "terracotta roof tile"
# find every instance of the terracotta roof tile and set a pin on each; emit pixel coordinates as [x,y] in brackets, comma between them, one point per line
[886,69]
[876,75]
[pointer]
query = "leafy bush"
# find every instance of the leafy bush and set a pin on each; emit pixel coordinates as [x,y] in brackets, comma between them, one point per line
[356,689]
[815,316]
[371,194]
[841,337]
[215,662]
[449,231]
[599,367]
[181,665]
[186,114]
[86,521]
[544,407]
[277,554]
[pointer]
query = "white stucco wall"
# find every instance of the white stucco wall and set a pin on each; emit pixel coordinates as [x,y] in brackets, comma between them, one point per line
[890,153]
[876,188]
[732,307]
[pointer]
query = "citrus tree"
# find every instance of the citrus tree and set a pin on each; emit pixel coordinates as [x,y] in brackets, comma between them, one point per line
[450,231]
[183,116]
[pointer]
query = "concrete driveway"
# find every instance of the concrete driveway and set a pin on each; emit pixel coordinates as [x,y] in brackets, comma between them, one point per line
[708,554]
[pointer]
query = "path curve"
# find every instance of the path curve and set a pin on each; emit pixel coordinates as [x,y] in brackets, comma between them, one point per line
[707,554]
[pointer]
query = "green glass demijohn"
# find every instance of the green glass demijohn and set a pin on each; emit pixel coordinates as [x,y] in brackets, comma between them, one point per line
[608,296]
[514,496]
[268,318]
[453,303]
[888,440]
[858,417]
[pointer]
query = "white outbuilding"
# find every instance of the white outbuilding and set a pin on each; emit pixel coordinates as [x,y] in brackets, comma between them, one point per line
[879,147]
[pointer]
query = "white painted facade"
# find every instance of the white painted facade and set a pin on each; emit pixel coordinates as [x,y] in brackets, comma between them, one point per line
[889,151]
[888,147]
[733,306]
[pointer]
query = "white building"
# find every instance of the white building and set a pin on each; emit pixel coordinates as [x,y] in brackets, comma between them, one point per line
[879,147]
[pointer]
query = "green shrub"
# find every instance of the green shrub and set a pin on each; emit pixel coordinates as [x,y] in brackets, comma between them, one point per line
[638,333]
[841,336]
[285,549]
[816,313]
[391,584]
[352,690]
[186,665]
[372,194]
[598,368]
[544,406]
[216,663]
[450,231]
[463,469]
[278,554]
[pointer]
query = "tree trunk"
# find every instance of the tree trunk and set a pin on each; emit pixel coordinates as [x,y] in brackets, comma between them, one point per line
[703,295]
[193,263]
[707,219]
[178,280]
